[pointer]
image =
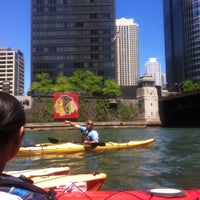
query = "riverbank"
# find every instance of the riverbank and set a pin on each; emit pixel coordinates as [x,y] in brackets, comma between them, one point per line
[98,125]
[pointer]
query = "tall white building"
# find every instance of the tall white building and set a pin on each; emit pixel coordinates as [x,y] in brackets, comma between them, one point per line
[153,68]
[127,52]
[163,80]
[11,71]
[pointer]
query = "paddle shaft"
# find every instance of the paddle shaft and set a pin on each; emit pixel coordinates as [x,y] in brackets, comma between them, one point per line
[56,141]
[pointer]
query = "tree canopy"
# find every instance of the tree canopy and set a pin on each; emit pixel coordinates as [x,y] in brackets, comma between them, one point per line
[62,84]
[86,81]
[43,83]
[80,81]
[111,88]
[190,86]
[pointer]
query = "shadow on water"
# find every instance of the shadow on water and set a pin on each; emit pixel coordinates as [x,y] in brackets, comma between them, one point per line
[172,161]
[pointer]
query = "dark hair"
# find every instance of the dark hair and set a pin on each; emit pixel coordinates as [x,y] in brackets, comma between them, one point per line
[12,116]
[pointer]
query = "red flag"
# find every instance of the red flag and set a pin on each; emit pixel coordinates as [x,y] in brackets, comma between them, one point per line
[65,105]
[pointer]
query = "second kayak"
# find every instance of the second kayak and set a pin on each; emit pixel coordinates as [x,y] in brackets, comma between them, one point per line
[69,147]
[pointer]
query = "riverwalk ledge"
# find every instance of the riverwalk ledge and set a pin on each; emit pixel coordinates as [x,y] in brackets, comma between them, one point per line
[97,125]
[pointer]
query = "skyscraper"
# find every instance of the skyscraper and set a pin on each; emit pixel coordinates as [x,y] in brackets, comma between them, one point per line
[11,71]
[127,52]
[163,80]
[153,68]
[69,35]
[182,40]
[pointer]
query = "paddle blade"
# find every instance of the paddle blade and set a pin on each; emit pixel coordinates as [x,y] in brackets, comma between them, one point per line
[95,144]
[101,144]
[53,140]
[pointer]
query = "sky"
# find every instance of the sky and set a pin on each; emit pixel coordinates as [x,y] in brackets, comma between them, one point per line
[148,14]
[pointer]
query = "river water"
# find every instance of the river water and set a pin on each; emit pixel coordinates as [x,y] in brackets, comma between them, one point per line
[172,161]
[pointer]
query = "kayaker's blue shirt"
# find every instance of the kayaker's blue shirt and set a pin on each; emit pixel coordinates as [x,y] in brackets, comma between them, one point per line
[92,135]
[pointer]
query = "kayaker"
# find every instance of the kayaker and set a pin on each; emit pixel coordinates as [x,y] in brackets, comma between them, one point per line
[89,135]
[12,121]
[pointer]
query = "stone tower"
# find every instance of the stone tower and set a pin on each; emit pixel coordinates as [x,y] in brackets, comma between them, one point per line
[147,96]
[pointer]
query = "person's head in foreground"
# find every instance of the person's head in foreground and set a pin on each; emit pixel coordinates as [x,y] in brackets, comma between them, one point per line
[12,120]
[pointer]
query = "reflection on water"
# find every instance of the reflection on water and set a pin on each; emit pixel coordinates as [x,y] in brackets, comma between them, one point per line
[172,161]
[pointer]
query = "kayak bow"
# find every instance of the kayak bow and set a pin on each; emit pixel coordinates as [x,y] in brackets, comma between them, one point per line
[30,173]
[131,195]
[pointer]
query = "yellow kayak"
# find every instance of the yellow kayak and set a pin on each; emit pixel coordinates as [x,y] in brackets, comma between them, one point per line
[91,182]
[69,147]
[30,173]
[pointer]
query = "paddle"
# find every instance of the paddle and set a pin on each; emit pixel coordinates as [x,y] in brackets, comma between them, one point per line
[53,140]
[56,141]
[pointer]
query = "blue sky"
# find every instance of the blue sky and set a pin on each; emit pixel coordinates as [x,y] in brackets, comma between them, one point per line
[148,14]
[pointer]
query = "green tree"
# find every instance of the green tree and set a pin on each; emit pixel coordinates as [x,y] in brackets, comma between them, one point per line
[86,81]
[62,84]
[81,81]
[111,88]
[92,83]
[76,81]
[190,86]
[43,83]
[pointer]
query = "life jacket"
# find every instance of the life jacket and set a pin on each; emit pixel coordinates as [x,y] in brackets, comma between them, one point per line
[23,187]
[85,135]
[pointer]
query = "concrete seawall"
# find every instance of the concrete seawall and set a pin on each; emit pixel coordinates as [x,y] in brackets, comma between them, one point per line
[98,125]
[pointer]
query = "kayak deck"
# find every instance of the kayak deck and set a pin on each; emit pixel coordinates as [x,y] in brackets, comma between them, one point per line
[93,181]
[127,195]
[69,147]
[30,173]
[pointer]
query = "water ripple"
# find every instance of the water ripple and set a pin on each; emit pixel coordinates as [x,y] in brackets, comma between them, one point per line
[172,161]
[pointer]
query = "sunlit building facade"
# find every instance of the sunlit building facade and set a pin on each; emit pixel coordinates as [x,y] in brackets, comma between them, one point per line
[127,52]
[11,71]
[182,40]
[153,68]
[70,35]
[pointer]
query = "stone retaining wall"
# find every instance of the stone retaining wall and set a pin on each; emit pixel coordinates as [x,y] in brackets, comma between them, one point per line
[98,125]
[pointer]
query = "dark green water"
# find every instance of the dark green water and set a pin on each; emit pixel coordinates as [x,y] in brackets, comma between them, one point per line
[172,161]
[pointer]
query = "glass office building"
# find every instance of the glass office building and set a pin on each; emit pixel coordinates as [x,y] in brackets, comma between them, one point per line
[182,40]
[70,35]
